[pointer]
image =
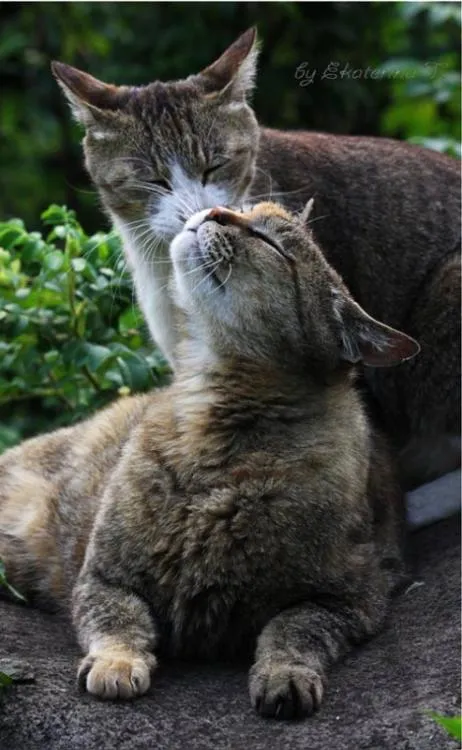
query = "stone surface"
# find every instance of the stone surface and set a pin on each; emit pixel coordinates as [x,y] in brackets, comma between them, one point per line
[376,699]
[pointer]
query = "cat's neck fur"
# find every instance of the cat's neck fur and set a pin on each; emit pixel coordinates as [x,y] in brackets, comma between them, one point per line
[228,406]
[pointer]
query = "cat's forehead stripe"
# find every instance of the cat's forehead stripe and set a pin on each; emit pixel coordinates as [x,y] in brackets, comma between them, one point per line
[268,209]
[158,98]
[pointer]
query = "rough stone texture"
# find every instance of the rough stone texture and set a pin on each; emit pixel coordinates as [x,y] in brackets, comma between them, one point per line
[376,698]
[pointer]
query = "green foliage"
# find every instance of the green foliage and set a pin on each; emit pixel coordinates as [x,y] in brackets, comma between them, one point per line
[426,93]
[452,724]
[71,339]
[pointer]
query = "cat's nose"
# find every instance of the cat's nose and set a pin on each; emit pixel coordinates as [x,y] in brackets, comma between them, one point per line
[225,217]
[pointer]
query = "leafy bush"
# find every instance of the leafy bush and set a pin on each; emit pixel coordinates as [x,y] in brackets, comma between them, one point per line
[425,106]
[71,339]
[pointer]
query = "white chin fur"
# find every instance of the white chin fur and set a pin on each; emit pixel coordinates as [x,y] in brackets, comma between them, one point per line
[181,249]
[197,219]
[188,200]
[187,197]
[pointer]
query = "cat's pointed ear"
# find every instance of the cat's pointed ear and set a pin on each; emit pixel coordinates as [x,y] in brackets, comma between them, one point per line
[365,339]
[88,97]
[233,74]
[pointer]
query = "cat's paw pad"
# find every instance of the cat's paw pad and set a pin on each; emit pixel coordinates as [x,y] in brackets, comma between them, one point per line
[285,690]
[112,675]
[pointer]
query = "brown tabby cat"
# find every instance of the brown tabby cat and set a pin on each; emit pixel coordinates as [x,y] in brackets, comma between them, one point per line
[387,217]
[247,504]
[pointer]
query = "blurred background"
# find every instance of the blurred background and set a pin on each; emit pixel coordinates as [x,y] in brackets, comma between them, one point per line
[412,90]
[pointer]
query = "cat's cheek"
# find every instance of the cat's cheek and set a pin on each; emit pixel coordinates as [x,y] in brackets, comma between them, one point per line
[167,218]
[126,206]
[230,186]
[129,211]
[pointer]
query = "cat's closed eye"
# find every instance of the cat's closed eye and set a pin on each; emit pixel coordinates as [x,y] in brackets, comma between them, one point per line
[210,170]
[264,237]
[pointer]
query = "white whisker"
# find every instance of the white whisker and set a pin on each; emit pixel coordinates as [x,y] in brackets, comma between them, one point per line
[137,223]
[268,175]
[317,218]
[214,266]
[223,282]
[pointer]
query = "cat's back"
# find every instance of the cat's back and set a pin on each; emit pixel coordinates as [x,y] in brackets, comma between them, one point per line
[386,213]
[89,446]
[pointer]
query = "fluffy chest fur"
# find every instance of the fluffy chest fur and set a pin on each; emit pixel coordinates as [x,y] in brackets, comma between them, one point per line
[210,557]
[210,562]
[220,545]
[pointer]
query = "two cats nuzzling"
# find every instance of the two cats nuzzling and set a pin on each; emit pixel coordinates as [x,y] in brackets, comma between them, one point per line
[386,214]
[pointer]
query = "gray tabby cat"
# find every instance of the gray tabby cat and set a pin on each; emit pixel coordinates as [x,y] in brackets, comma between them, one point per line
[386,216]
[249,508]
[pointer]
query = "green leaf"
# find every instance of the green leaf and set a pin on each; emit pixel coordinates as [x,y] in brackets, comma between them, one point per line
[78,264]
[452,724]
[51,356]
[56,215]
[135,371]
[94,356]
[59,231]
[11,236]
[131,319]
[54,260]
[32,248]
[22,293]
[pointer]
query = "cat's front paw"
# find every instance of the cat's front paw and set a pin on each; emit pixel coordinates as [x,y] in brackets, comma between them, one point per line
[116,674]
[284,690]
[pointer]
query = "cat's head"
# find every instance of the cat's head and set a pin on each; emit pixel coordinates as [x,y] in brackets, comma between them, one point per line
[256,285]
[161,152]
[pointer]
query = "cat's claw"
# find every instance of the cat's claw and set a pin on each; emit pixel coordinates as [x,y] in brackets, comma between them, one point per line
[116,676]
[284,690]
